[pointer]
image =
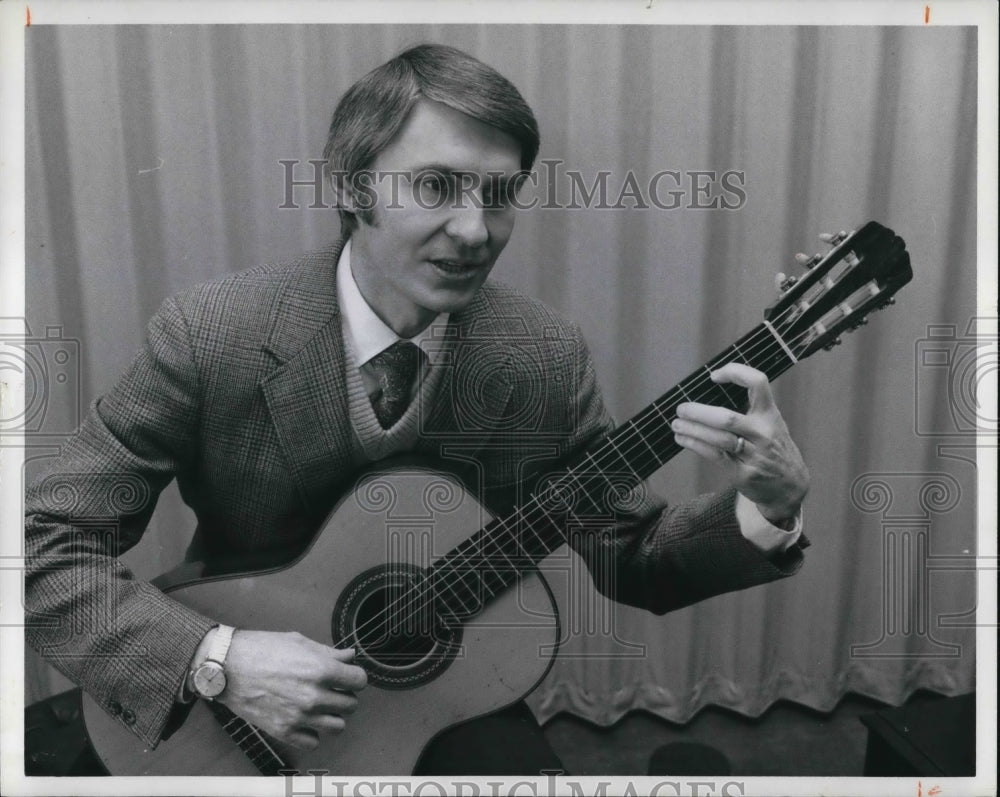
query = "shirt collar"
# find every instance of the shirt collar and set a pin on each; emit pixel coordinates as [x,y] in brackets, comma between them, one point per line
[364,331]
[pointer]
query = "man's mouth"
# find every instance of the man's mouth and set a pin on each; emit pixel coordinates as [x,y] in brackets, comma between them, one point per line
[456,268]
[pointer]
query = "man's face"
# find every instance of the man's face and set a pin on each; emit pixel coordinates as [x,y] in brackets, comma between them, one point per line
[440,219]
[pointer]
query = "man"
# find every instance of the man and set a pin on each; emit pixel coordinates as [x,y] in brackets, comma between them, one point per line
[265,393]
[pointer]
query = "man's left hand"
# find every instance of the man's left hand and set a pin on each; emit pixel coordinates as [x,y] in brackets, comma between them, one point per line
[766,466]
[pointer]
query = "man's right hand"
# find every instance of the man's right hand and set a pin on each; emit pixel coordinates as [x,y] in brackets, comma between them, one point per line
[289,686]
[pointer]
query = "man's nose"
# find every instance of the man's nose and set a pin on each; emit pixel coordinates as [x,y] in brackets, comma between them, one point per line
[467,223]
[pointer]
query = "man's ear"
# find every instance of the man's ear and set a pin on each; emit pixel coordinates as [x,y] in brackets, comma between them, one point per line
[343,198]
[354,194]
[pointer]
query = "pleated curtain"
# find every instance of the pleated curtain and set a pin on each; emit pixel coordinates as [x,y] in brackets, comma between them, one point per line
[160,157]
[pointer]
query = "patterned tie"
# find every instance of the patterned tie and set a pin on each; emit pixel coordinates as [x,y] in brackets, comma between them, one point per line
[396,368]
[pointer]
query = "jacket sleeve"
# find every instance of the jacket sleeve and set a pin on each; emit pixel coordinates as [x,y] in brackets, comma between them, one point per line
[657,556]
[125,642]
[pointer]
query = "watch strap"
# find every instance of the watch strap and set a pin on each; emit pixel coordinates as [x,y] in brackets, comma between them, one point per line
[220,644]
[216,653]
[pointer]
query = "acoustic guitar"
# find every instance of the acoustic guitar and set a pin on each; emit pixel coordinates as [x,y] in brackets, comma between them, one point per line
[442,603]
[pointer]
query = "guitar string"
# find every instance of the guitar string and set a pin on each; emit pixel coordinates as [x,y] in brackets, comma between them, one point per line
[450,566]
[702,387]
[417,595]
[451,562]
[767,335]
[583,483]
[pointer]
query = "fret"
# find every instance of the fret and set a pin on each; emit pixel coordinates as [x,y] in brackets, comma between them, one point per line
[558,490]
[582,488]
[629,471]
[480,584]
[743,357]
[545,541]
[501,582]
[723,393]
[682,391]
[589,481]
[544,511]
[628,464]
[481,559]
[737,402]
[548,548]
[250,740]
[477,547]
[464,609]
[242,734]
[602,472]
[481,570]
[524,524]
[484,538]
[463,563]
[645,442]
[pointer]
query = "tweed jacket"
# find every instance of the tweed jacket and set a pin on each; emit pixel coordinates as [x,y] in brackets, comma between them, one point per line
[239,393]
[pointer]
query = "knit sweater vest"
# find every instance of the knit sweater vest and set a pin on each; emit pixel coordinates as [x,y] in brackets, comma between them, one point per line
[372,442]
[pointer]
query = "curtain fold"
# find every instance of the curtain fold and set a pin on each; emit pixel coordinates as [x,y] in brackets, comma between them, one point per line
[155,161]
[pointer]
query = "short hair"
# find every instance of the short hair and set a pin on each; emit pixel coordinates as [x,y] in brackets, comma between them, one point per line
[373,110]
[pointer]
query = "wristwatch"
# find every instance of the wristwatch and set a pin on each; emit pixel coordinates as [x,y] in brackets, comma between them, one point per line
[208,679]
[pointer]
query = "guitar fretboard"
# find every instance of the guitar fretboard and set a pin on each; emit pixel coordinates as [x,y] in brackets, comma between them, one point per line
[250,740]
[590,491]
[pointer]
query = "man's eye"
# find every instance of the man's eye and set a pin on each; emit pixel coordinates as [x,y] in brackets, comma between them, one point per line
[434,183]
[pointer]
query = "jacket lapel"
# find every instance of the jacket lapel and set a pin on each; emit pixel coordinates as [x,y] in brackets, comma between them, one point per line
[471,400]
[306,392]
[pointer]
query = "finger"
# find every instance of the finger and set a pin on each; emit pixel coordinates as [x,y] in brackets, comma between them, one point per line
[343,654]
[702,449]
[346,677]
[334,702]
[728,442]
[719,418]
[303,738]
[327,723]
[759,389]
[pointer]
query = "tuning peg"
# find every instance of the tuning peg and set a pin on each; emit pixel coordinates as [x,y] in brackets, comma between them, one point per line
[806,261]
[832,238]
[835,342]
[783,283]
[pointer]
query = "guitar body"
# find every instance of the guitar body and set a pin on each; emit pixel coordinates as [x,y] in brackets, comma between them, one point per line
[452,623]
[406,518]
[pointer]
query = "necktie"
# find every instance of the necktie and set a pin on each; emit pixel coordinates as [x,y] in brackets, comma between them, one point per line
[396,368]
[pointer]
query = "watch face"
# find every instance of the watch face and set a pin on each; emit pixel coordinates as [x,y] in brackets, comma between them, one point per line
[209,679]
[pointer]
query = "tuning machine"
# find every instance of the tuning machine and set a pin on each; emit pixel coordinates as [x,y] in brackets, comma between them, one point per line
[807,261]
[833,238]
[783,283]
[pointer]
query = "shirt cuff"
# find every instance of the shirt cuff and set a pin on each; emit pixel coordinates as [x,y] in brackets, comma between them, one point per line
[765,536]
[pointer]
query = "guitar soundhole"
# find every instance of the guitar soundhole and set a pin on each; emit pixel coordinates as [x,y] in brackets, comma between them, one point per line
[397,631]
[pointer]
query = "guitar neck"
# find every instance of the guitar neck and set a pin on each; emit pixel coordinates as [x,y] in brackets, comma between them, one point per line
[596,486]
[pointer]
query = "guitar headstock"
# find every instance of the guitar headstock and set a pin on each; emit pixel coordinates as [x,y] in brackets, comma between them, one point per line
[860,274]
